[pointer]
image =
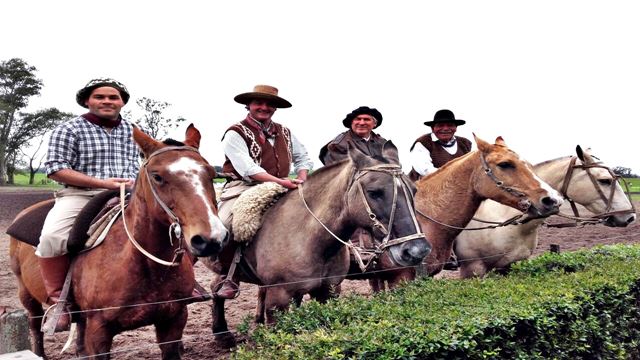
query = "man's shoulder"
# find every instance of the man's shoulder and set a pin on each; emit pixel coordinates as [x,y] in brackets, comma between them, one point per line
[340,138]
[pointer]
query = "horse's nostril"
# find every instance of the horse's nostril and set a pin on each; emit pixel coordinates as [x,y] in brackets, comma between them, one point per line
[204,247]
[549,202]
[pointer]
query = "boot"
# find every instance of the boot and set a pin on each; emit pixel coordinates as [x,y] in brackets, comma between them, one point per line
[54,271]
[199,294]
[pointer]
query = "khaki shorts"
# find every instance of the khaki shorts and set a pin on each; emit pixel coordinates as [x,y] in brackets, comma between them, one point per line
[59,221]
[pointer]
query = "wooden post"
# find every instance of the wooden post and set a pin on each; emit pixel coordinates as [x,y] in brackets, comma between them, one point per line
[14,332]
[554,248]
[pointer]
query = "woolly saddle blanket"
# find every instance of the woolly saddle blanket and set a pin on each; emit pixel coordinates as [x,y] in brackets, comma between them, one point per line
[249,208]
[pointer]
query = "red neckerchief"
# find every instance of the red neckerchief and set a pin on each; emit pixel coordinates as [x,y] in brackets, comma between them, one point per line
[263,133]
[108,123]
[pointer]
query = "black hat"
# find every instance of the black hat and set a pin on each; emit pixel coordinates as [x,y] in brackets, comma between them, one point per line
[362,110]
[445,116]
[84,93]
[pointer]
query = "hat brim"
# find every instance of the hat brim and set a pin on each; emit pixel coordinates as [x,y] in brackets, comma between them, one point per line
[277,101]
[83,94]
[456,122]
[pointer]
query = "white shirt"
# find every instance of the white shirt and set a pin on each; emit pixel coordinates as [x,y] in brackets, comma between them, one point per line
[235,148]
[420,157]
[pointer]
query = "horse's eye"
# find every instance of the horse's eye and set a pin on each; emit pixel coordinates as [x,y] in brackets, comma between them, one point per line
[157,178]
[375,194]
[506,165]
[606,182]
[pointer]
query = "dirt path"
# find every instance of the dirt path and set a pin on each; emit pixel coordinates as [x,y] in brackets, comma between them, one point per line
[199,344]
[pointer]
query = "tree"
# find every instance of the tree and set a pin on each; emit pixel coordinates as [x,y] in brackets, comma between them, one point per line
[153,121]
[624,172]
[17,84]
[33,167]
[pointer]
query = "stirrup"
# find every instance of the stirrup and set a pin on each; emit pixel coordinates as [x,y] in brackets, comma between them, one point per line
[232,285]
[51,319]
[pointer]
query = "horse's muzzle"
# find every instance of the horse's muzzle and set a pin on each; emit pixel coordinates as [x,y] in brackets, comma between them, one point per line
[202,246]
[548,206]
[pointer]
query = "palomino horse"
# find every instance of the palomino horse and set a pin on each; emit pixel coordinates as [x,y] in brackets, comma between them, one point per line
[301,247]
[127,282]
[579,178]
[447,199]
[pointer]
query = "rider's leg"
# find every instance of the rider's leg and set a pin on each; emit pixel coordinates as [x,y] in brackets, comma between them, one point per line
[52,250]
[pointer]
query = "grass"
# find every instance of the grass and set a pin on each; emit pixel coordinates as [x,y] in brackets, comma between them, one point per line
[41,181]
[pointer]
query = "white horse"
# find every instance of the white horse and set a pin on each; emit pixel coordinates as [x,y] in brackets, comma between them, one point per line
[580,179]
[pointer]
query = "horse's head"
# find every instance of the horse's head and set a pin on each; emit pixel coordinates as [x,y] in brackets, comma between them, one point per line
[177,185]
[596,186]
[510,180]
[381,199]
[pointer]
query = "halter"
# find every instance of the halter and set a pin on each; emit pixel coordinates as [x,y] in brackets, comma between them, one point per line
[174,229]
[524,204]
[608,201]
[396,172]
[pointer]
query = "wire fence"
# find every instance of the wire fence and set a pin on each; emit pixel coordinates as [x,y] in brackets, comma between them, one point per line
[195,339]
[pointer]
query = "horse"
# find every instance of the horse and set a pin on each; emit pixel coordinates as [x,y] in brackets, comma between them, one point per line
[580,178]
[127,282]
[299,248]
[447,199]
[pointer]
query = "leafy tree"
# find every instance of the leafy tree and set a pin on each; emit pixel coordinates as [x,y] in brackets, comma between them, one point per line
[34,165]
[153,121]
[624,172]
[17,84]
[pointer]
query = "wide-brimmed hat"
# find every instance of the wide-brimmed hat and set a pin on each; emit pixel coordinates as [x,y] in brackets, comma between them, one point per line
[263,92]
[362,110]
[445,116]
[83,94]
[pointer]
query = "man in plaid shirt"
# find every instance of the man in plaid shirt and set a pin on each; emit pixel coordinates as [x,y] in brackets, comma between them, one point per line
[87,154]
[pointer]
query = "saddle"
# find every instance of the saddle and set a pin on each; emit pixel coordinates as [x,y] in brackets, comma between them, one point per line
[251,206]
[28,227]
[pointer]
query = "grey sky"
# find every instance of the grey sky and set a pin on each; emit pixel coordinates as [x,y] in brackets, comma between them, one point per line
[545,75]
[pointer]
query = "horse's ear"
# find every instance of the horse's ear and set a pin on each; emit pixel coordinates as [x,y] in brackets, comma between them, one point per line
[192,137]
[359,158]
[146,143]
[500,141]
[584,155]
[482,145]
[390,152]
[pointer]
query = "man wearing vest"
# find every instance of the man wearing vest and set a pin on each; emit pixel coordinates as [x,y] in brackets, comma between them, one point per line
[431,151]
[258,150]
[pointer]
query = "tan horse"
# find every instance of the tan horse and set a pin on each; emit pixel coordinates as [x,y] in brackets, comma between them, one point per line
[295,251]
[588,183]
[115,286]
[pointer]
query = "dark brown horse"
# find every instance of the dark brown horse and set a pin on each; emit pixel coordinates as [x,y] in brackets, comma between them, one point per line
[447,199]
[134,277]
[295,251]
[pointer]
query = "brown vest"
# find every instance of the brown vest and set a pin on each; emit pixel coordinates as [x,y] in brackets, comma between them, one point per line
[440,156]
[274,159]
[337,149]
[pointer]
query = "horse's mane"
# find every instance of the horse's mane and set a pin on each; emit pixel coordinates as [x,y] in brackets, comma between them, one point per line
[172,142]
[550,161]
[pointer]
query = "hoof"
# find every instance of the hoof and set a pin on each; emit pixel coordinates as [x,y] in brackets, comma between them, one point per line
[226,340]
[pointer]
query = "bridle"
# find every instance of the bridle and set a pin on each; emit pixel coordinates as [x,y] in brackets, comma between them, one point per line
[400,181]
[524,204]
[174,229]
[608,201]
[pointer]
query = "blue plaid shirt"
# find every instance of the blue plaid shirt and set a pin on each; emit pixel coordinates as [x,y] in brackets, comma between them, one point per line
[88,148]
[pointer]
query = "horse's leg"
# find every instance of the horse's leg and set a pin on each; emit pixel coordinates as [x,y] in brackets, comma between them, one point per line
[169,335]
[471,269]
[405,275]
[276,300]
[34,308]
[376,284]
[97,338]
[81,328]
[221,332]
[262,292]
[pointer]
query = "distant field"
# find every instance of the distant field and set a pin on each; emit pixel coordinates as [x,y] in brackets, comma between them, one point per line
[40,181]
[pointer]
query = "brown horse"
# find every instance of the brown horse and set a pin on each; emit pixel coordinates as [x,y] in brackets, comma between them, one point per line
[116,287]
[300,248]
[447,199]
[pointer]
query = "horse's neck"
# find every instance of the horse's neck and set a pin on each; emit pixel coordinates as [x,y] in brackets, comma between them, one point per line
[553,172]
[449,194]
[151,234]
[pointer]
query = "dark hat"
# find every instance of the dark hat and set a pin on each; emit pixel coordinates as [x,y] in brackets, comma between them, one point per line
[362,110]
[445,116]
[263,92]
[83,94]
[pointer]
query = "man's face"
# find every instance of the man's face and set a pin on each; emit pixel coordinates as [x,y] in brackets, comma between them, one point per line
[444,131]
[105,102]
[362,125]
[261,110]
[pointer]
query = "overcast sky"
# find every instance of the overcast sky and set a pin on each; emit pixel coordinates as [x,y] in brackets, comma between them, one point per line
[544,75]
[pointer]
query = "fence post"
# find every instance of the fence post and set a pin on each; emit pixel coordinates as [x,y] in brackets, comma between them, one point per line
[14,331]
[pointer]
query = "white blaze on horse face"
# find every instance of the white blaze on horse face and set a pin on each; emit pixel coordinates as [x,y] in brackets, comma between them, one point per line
[192,170]
[553,193]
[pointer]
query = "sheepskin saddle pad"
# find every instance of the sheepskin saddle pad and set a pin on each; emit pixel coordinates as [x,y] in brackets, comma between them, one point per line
[250,206]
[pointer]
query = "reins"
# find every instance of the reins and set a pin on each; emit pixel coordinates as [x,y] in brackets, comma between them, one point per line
[396,172]
[174,229]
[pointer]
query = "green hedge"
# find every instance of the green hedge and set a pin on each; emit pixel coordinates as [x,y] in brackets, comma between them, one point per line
[570,305]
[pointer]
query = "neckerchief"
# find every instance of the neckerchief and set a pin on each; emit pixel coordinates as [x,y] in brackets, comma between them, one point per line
[97,120]
[264,132]
[447,144]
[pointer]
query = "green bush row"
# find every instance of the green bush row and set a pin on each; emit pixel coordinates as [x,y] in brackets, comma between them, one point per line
[557,306]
